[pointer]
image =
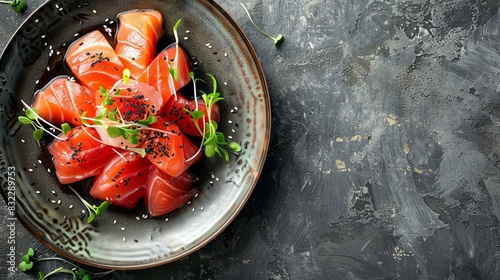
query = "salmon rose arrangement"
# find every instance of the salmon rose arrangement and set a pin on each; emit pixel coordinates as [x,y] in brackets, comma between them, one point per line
[123,122]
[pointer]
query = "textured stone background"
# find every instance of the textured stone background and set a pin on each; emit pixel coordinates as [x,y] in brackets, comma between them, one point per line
[385,153]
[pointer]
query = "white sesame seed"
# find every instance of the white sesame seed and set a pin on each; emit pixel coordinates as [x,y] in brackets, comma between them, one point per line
[230,137]
[225,83]
[188,31]
[233,130]
[210,47]
[225,54]
[229,121]
[137,218]
[217,179]
[196,195]
[48,170]
[57,6]
[189,202]
[111,22]
[39,161]
[145,216]
[22,140]
[38,192]
[122,228]
[208,44]
[114,222]
[37,81]
[54,193]
[30,170]
[201,208]
[193,209]
[48,68]
[53,201]
[94,11]
[124,239]
[166,220]
[76,34]
[106,20]
[50,47]
[58,201]
[71,206]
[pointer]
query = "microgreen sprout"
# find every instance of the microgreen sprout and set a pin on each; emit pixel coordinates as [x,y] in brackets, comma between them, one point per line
[174,71]
[278,40]
[116,126]
[17,5]
[126,76]
[32,118]
[78,273]
[91,209]
[213,140]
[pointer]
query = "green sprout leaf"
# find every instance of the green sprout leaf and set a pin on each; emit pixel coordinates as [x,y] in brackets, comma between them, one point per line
[37,134]
[114,131]
[65,128]
[24,266]
[278,40]
[32,113]
[174,72]
[17,5]
[126,76]
[24,120]
[76,271]
[196,115]
[235,147]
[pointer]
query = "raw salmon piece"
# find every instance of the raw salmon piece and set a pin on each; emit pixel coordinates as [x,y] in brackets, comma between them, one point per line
[123,181]
[165,194]
[157,74]
[79,155]
[94,62]
[169,149]
[176,110]
[62,100]
[136,38]
[130,103]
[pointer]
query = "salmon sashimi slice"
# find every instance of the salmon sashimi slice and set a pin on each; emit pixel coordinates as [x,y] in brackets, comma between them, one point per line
[165,194]
[94,62]
[136,38]
[169,149]
[157,74]
[128,104]
[64,101]
[79,155]
[123,181]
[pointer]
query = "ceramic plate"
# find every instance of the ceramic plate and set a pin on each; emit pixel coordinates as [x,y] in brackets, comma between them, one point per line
[120,239]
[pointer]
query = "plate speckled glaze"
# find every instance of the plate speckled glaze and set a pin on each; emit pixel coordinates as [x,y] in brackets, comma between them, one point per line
[120,239]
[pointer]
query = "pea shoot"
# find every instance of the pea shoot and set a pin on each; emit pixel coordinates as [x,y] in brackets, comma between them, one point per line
[78,273]
[278,40]
[174,70]
[91,209]
[213,140]
[17,5]
[32,118]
